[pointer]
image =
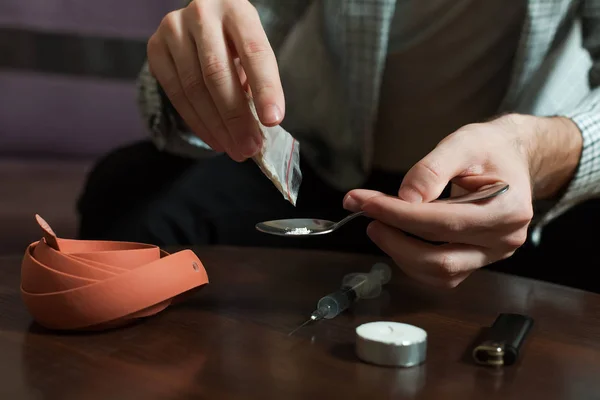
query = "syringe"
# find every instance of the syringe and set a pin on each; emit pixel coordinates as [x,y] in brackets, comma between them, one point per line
[354,286]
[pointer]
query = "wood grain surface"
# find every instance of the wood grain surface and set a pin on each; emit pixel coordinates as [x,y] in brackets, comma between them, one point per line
[230,340]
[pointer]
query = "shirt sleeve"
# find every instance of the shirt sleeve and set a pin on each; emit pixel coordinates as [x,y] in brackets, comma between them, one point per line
[585,183]
[167,129]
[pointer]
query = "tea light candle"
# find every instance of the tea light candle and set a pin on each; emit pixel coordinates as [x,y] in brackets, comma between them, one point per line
[391,344]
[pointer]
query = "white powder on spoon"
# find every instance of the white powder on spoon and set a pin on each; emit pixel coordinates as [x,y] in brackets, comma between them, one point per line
[298,231]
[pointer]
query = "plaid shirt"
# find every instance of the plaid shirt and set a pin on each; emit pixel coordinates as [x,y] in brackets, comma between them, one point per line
[331,66]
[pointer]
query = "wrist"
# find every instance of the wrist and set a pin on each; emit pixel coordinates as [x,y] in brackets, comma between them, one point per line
[552,146]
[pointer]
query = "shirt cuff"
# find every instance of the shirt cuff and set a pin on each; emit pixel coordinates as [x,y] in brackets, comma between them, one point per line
[168,131]
[585,183]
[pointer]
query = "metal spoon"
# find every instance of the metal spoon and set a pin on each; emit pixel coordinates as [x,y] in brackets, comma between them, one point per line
[312,227]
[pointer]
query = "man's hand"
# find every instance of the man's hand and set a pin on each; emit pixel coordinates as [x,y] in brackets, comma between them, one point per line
[525,152]
[204,56]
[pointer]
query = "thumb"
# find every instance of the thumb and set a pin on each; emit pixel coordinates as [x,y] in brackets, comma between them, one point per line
[428,178]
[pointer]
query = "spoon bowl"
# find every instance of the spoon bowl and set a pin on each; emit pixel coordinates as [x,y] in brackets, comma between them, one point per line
[313,227]
[299,226]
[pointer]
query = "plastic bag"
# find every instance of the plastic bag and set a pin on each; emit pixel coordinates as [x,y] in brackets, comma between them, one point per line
[279,158]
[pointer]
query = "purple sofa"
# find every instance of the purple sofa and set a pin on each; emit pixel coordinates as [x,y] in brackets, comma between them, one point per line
[67,90]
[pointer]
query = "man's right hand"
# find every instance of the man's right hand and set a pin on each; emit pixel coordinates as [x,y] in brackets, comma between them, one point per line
[205,56]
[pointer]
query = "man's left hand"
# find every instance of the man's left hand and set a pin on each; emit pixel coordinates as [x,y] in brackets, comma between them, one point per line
[474,234]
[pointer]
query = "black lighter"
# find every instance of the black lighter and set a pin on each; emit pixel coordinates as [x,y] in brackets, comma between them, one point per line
[501,343]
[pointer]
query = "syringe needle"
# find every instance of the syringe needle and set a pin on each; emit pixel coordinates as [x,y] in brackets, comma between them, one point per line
[333,304]
[305,323]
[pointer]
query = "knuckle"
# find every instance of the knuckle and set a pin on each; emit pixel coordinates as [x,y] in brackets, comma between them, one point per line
[431,168]
[519,215]
[463,135]
[503,255]
[196,9]
[233,117]
[242,10]
[515,240]
[192,83]
[216,71]
[262,87]
[464,138]
[526,214]
[169,22]
[468,129]
[446,266]
[255,49]
[154,47]
[506,255]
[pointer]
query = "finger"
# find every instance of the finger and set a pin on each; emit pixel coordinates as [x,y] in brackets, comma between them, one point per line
[436,281]
[427,179]
[446,264]
[260,64]
[222,80]
[165,72]
[440,222]
[183,52]
[491,223]
[355,199]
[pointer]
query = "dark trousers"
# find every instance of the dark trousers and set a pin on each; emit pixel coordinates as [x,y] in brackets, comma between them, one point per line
[139,194]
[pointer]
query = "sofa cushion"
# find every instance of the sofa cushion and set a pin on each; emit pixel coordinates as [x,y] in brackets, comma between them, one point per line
[68,73]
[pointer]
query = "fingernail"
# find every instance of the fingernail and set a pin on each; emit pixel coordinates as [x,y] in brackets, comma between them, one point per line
[371,230]
[350,203]
[271,114]
[410,195]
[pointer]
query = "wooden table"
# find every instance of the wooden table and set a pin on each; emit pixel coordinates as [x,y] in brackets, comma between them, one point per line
[230,341]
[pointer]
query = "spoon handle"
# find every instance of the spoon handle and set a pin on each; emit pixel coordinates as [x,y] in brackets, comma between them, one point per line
[348,219]
[483,194]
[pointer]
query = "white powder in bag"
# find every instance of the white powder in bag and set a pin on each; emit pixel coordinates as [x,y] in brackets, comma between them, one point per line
[279,158]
